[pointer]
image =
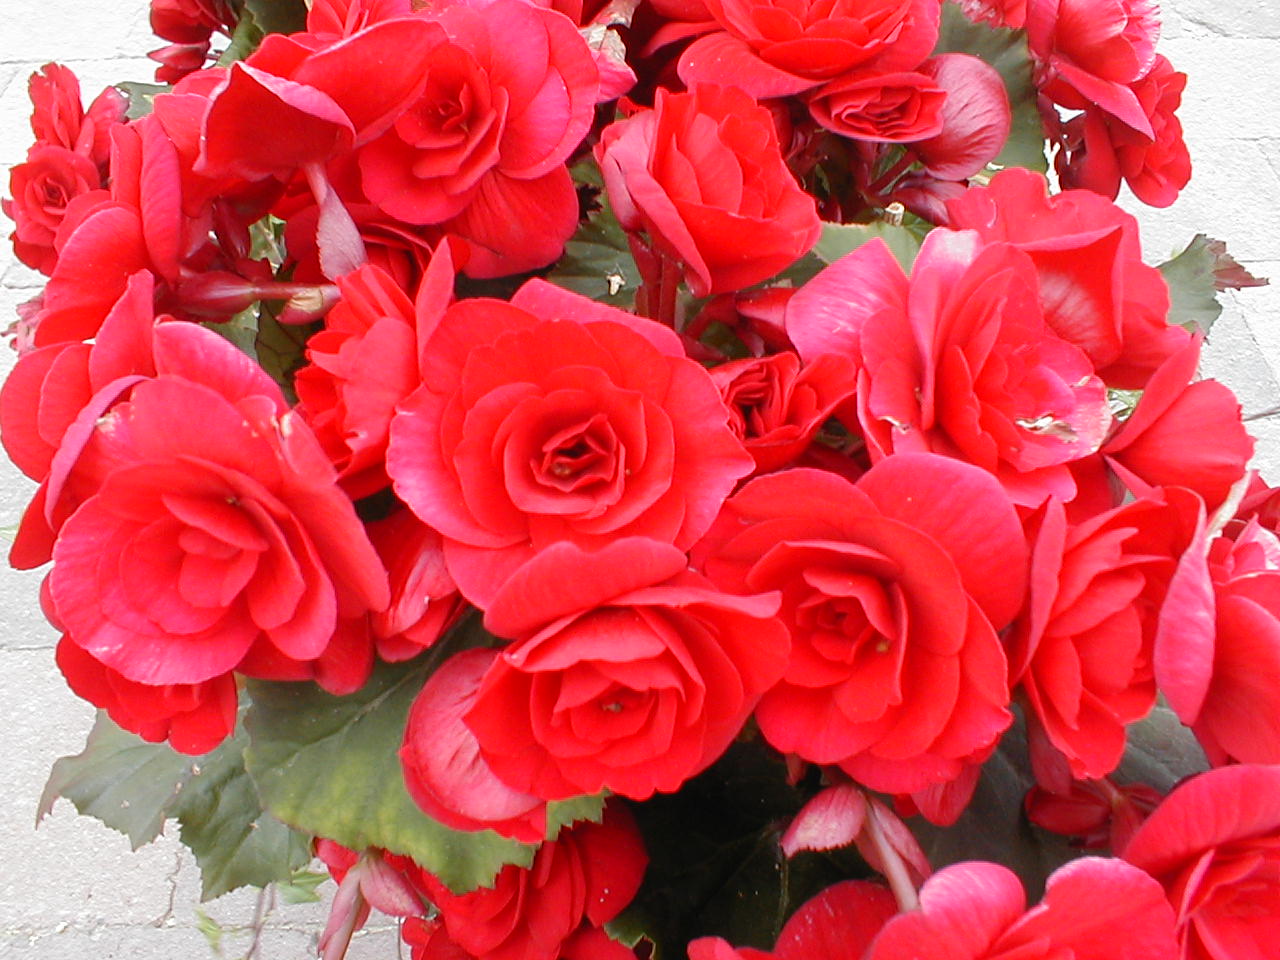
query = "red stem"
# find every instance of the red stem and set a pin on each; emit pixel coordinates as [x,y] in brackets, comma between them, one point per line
[895,870]
[889,176]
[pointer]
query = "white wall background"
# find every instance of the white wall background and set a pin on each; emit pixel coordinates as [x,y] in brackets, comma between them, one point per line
[72,889]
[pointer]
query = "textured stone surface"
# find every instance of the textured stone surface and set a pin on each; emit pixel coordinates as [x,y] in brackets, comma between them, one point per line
[72,890]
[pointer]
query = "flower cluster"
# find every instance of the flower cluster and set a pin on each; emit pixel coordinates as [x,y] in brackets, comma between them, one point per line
[662,384]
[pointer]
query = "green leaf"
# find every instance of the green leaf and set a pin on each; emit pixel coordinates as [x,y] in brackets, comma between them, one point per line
[328,765]
[244,40]
[278,16]
[715,864]
[1160,752]
[839,239]
[141,97]
[597,262]
[586,172]
[130,785]
[1193,302]
[993,827]
[563,813]
[133,786]
[301,887]
[1006,50]
[800,272]
[280,348]
[235,842]
[211,930]
[241,329]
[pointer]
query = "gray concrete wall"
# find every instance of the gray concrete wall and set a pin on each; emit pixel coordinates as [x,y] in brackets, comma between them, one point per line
[73,891]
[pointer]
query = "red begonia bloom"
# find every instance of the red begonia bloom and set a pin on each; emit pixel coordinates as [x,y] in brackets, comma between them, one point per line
[192,717]
[703,175]
[51,400]
[1183,433]
[1095,290]
[836,924]
[1102,150]
[443,768]
[880,107]
[1214,843]
[206,538]
[632,679]
[582,879]
[776,404]
[892,590]
[1093,909]
[1221,670]
[1000,13]
[555,418]
[774,49]
[957,360]
[424,598]
[320,103]
[59,120]
[1094,813]
[1082,651]
[1092,50]
[484,145]
[364,362]
[42,187]
[975,117]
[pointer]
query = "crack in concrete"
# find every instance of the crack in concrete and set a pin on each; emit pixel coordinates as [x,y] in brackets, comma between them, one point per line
[171,878]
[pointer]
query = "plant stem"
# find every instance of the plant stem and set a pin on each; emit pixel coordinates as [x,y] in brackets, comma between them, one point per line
[895,871]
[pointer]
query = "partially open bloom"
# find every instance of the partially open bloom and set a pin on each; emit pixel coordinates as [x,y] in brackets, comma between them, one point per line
[631,680]
[702,175]
[957,359]
[895,671]
[555,418]
[1215,846]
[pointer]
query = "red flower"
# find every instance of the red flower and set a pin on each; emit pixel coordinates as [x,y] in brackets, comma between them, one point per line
[59,120]
[1094,288]
[225,534]
[702,174]
[880,107]
[975,117]
[1182,433]
[484,145]
[190,21]
[193,717]
[836,924]
[957,360]
[891,589]
[1083,649]
[1094,813]
[630,680]
[363,363]
[555,418]
[1103,149]
[53,396]
[1093,909]
[776,406]
[443,768]
[42,187]
[321,97]
[582,879]
[1093,50]
[1214,843]
[424,598]
[1000,13]
[771,48]
[1221,669]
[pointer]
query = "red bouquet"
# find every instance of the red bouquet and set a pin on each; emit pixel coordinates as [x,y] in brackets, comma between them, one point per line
[660,478]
